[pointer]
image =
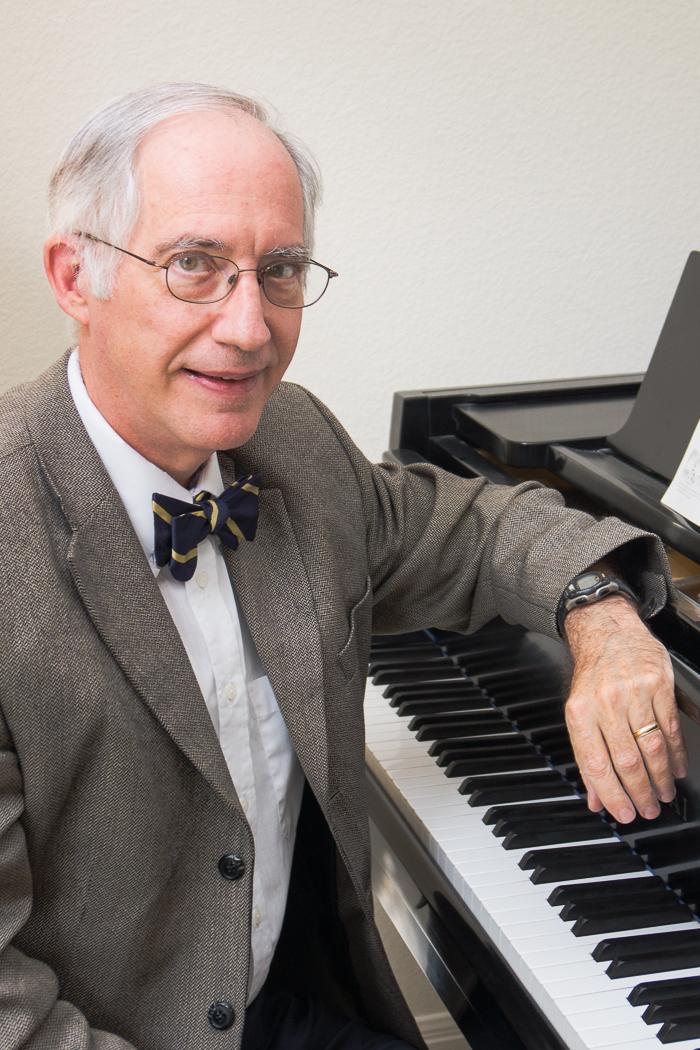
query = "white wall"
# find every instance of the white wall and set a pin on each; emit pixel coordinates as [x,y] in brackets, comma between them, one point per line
[510,187]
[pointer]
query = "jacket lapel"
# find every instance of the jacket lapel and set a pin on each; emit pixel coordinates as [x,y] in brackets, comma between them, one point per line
[115,583]
[273,592]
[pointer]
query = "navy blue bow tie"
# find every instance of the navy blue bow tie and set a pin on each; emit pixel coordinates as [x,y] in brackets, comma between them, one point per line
[180,526]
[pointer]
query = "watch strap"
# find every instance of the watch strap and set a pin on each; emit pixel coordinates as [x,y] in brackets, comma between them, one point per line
[576,594]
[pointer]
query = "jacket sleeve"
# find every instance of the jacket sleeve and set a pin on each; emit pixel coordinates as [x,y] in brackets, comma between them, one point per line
[453,553]
[32,1014]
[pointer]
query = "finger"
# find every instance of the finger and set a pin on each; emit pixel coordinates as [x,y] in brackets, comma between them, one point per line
[594,803]
[631,768]
[595,763]
[654,751]
[668,717]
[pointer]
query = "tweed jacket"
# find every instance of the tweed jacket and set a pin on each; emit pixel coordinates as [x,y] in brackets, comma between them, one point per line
[117,930]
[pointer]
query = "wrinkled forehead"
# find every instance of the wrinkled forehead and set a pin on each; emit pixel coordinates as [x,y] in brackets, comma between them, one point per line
[212,161]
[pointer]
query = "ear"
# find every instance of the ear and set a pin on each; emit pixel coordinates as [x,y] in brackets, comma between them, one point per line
[62,265]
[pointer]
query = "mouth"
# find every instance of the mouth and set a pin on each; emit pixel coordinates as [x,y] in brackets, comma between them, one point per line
[225,382]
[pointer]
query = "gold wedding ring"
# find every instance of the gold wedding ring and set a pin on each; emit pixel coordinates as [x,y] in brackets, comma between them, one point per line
[651,728]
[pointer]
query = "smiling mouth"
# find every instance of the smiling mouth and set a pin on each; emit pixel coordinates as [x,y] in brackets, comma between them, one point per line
[223,377]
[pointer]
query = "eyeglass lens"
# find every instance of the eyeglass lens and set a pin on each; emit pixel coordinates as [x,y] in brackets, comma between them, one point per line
[198,277]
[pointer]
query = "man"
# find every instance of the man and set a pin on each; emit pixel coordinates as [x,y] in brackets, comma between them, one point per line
[169,693]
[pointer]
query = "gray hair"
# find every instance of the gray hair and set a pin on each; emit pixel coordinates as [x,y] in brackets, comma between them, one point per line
[94,187]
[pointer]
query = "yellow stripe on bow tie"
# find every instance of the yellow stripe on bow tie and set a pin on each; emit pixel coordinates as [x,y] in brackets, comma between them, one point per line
[182,558]
[255,489]
[157,509]
[232,527]
[214,513]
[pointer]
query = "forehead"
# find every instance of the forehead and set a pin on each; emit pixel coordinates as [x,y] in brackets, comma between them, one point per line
[198,171]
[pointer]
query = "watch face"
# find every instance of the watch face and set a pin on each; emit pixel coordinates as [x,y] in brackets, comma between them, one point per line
[587,579]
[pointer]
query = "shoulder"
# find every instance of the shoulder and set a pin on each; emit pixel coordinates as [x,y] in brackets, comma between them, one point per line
[19,407]
[297,424]
[14,432]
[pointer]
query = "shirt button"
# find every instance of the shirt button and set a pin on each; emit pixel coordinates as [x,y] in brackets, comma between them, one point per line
[230,692]
[244,804]
[232,867]
[257,918]
[202,578]
[221,1015]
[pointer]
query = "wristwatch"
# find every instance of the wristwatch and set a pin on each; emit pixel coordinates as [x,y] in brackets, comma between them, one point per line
[589,587]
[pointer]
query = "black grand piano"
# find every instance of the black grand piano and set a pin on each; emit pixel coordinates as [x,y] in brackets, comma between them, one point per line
[543,926]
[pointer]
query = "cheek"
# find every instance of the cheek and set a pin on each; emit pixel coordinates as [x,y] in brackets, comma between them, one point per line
[286,337]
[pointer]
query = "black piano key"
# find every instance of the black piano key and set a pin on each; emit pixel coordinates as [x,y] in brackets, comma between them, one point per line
[674,847]
[465,767]
[650,953]
[526,822]
[523,838]
[483,728]
[646,944]
[466,744]
[664,991]
[667,818]
[405,675]
[666,914]
[449,756]
[477,749]
[677,1031]
[460,724]
[486,791]
[553,737]
[687,883]
[672,1010]
[498,638]
[558,865]
[680,959]
[405,638]
[442,703]
[609,890]
[602,906]
[508,691]
[393,660]
[559,756]
[547,715]
[520,710]
[562,807]
[396,694]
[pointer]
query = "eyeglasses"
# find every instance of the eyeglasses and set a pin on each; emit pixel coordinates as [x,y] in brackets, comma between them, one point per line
[195,276]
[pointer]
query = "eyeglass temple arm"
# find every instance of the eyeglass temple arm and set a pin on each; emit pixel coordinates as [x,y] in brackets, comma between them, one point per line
[98,240]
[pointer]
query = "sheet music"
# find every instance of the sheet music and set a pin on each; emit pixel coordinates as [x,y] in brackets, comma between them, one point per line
[683,494]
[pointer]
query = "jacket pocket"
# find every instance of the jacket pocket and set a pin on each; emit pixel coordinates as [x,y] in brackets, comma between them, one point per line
[348,655]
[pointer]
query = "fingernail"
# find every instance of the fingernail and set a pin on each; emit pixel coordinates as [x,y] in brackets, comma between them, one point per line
[650,812]
[626,814]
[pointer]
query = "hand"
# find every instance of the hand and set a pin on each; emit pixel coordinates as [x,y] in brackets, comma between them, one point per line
[622,681]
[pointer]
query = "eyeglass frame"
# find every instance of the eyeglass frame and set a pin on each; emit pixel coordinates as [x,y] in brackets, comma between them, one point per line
[232,285]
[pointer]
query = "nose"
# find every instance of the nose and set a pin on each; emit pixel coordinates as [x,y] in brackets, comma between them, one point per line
[240,317]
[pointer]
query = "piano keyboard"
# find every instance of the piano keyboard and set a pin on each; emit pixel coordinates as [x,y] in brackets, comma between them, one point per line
[477,762]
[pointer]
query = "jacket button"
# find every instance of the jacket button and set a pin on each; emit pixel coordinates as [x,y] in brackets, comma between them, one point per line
[221,1015]
[231,866]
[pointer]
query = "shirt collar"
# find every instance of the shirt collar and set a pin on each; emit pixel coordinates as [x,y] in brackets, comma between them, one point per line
[134,477]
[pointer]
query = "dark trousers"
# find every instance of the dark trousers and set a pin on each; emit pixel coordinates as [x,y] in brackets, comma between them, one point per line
[277,1020]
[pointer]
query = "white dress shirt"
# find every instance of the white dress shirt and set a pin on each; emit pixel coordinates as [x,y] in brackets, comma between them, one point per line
[242,706]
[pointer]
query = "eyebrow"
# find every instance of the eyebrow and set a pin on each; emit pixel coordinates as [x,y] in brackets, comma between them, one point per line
[182,243]
[186,241]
